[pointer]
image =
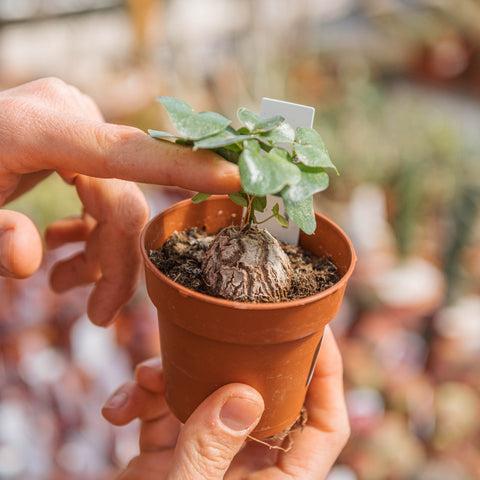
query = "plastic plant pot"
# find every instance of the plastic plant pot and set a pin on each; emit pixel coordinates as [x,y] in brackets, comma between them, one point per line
[207,342]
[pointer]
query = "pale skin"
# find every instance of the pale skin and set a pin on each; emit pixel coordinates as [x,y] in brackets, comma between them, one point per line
[47,126]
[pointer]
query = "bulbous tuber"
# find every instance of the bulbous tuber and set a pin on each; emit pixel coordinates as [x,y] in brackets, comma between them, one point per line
[246,265]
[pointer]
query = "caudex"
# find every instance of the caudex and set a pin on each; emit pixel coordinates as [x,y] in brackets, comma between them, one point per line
[246,263]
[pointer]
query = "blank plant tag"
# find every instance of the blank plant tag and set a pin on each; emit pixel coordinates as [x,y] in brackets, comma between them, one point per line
[297,116]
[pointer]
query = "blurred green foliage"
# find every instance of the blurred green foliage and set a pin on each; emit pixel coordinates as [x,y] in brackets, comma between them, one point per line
[50,200]
[393,138]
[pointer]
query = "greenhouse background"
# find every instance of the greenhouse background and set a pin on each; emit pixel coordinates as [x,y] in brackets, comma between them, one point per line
[396,88]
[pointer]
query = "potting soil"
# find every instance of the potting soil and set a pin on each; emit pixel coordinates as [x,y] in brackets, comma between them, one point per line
[180,258]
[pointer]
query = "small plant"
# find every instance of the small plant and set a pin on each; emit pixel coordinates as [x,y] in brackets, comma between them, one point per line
[273,159]
[266,167]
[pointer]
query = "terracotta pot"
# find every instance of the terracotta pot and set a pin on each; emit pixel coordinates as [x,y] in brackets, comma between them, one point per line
[207,342]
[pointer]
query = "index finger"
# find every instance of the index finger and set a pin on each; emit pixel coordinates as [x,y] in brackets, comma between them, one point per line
[130,154]
[47,139]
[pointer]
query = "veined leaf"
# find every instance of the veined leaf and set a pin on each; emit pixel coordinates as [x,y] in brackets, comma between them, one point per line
[265,167]
[259,203]
[239,198]
[252,145]
[228,153]
[161,135]
[311,150]
[313,180]
[265,174]
[200,197]
[284,133]
[226,137]
[281,220]
[257,124]
[281,152]
[191,125]
[302,214]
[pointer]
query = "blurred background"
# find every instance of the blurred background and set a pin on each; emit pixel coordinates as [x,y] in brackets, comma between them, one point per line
[396,88]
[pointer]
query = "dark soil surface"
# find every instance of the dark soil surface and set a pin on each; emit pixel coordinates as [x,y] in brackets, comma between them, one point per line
[181,257]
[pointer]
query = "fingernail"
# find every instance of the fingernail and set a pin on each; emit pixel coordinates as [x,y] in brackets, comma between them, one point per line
[153,363]
[117,400]
[240,413]
[5,253]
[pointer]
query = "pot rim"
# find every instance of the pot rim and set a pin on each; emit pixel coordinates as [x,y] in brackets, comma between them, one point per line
[187,292]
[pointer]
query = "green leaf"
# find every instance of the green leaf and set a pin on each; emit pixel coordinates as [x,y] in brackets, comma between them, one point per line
[281,152]
[191,125]
[259,203]
[184,141]
[239,198]
[284,133]
[281,220]
[224,138]
[302,214]
[265,174]
[257,124]
[311,150]
[228,153]
[200,197]
[160,134]
[313,180]
[252,145]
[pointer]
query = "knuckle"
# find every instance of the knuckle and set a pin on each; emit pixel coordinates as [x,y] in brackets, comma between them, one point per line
[111,136]
[129,209]
[50,86]
[135,209]
[110,140]
[105,136]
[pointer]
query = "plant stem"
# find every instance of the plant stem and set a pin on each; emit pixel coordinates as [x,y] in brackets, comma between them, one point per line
[248,218]
[265,220]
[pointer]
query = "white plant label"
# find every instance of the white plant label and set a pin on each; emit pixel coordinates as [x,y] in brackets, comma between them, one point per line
[297,116]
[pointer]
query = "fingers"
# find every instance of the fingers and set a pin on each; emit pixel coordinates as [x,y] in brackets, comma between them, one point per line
[116,212]
[144,399]
[68,230]
[122,212]
[60,96]
[59,128]
[77,270]
[149,375]
[107,150]
[214,433]
[20,245]
[82,268]
[131,401]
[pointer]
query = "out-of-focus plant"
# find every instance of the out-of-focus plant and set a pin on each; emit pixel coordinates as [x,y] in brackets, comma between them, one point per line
[464,214]
[390,138]
[48,201]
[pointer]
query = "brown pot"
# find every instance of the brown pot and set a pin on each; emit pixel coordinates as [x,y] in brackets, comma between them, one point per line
[207,342]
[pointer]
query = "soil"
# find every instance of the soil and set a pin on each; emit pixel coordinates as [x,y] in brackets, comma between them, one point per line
[181,257]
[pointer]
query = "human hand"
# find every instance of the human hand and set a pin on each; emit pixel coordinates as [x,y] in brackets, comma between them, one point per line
[211,445]
[47,126]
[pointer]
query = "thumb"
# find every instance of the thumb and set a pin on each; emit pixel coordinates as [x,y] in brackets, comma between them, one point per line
[20,245]
[214,433]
